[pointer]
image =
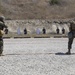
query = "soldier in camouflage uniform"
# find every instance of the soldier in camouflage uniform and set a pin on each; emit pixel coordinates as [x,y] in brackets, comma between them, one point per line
[2,26]
[70,37]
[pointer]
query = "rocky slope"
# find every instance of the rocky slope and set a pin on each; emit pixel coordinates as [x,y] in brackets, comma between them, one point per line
[37,9]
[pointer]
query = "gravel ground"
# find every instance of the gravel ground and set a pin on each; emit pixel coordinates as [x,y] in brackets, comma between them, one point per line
[37,56]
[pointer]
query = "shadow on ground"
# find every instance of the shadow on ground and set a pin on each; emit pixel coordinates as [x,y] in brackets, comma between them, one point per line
[61,53]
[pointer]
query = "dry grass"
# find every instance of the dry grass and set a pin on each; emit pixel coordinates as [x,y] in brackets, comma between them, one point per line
[37,9]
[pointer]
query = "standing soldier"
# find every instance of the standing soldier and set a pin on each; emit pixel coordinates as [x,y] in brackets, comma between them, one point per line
[63,31]
[57,30]
[6,30]
[25,31]
[2,26]
[70,37]
[44,30]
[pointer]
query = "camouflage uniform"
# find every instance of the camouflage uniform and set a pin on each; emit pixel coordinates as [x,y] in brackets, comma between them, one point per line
[71,37]
[2,26]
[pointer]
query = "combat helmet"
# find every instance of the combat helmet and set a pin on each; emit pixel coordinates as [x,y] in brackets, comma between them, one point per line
[2,19]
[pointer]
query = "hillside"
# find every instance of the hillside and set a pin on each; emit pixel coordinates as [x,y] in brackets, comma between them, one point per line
[37,9]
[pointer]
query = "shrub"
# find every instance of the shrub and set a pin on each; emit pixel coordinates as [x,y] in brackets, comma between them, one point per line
[52,2]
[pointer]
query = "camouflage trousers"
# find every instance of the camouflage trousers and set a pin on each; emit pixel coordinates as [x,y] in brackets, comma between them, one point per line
[70,43]
[1,45]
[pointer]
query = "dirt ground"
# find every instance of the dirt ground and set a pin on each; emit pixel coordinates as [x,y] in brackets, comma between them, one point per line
[37,56]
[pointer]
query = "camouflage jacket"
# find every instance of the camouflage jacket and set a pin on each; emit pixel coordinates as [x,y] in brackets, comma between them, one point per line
[2,26]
